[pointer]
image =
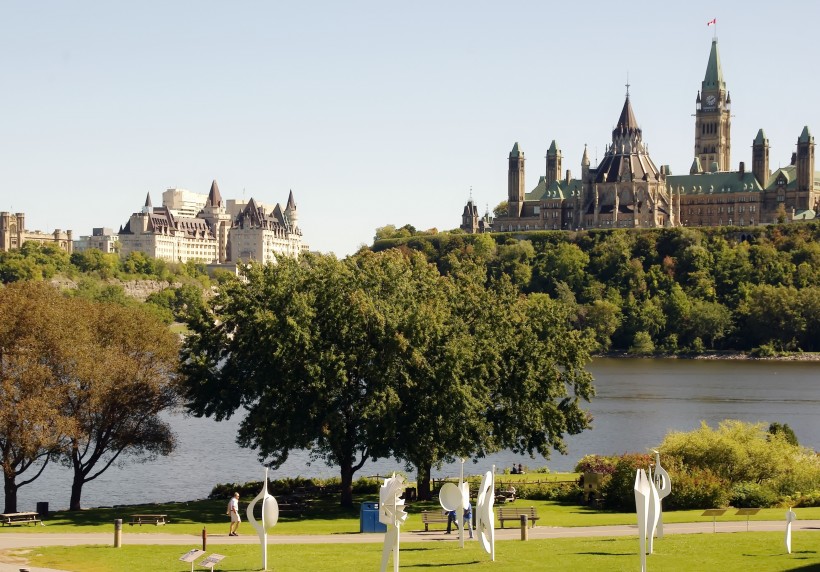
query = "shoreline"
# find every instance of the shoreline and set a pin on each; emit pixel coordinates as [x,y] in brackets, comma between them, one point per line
[718,355]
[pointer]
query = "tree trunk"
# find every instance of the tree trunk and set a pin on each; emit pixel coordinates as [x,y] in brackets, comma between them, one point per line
[11,493]
[423,477]
[347,485]
[76,492]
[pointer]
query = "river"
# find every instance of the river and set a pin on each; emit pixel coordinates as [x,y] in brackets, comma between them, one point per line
[638,401]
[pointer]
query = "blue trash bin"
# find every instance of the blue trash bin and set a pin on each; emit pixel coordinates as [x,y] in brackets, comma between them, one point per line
[369,518]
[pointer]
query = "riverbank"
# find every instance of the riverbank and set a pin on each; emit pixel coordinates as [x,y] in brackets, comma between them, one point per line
[720,355]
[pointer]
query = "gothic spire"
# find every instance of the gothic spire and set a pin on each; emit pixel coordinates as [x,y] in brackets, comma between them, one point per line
[214,197]
[713,80]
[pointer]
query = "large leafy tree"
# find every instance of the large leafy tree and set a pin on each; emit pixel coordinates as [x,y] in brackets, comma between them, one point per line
[128,362]
[308,348]
[35,357]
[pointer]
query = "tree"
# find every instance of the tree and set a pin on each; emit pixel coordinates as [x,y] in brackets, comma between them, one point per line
[308,349]
[501,209]
[128,363]
[35,357]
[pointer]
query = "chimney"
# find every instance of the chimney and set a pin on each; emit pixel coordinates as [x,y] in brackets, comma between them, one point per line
[569,176]
[742,167]
[794,159]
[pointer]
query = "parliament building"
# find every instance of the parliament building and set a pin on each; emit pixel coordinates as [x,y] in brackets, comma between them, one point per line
[627,190]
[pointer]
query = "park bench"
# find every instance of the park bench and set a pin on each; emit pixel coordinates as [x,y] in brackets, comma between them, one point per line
[514,513]
[429,517]
[19,518]
[157,519]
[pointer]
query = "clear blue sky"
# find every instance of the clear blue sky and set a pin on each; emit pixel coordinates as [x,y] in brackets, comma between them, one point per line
[373,113]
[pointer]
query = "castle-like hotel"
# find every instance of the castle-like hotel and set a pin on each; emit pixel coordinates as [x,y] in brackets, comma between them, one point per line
[187,227]
[206,228]
[627,190]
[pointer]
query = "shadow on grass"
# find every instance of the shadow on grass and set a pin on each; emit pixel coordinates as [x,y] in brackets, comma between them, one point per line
[440,565]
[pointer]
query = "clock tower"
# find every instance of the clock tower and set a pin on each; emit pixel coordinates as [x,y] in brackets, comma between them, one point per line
[713,117]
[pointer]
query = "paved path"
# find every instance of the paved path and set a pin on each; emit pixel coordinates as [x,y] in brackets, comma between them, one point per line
[14,540]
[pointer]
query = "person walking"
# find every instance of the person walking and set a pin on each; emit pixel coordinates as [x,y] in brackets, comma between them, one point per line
[233,512]
[468,519]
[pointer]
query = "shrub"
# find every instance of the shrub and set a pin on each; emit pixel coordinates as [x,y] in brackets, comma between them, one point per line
[694,488]
[620,490]
[561,492]
[596,464]
[753,495]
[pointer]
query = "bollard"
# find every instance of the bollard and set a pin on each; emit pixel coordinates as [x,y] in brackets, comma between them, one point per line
[117,533]
[525,533]
[204,539]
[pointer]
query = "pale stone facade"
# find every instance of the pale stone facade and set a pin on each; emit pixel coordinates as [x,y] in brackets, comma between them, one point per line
[102,239]
[13,234]
[221,231]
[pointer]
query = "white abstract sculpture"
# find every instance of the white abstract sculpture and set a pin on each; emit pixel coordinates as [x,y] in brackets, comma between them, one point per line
[391,513]
[485,525]
[664,486]
[456,499]
[654,512]
[642,493]
[790,518]
[270,516]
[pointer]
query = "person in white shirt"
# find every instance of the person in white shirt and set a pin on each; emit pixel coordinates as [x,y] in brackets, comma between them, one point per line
[233,511]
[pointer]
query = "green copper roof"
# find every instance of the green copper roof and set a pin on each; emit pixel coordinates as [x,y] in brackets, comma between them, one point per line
[714,74]
[553,150]
[713,183]
[760,139]
[696,167]
[516,152]
[555,190]
[805,136]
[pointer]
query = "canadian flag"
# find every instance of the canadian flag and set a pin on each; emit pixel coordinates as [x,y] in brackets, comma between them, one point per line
[712,21]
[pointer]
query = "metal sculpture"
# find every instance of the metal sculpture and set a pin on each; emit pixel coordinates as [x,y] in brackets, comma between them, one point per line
[456,498]
[485,525]
[654,512]
[642,493]
[664,486]
[790,518]
[270,516]
[391,513]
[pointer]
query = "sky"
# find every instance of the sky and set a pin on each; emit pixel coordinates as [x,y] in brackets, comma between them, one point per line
[372,113]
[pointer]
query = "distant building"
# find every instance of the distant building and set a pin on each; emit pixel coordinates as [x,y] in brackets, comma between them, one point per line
[627,190]
[13,234]
[471,222]
[219,232]
[102,239]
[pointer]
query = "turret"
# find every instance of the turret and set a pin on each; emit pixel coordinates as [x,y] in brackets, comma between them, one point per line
[553,163]
[515,182]
[760,158]
[585,165]
[290,211]
[805,161]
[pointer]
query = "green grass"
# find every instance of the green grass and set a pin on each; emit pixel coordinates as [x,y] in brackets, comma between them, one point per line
[325,516]
[740,552]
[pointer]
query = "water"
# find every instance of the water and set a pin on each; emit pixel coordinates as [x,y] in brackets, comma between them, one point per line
[638,402]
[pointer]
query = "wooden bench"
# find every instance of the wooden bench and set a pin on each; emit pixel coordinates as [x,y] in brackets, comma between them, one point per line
[514,513]
[429,517]
[157,519]
[19,518]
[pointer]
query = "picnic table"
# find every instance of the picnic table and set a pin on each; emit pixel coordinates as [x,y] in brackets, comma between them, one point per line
[157,519]
[19,518]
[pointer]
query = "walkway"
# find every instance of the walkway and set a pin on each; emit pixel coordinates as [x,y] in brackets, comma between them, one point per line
[22,539]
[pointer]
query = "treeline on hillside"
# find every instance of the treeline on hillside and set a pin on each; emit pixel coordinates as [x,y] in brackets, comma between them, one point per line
[98,277]
[661,290]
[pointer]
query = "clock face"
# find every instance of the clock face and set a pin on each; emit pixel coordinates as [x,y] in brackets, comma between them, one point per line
[710,100]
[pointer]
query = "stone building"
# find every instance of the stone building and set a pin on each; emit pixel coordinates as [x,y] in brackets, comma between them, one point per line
[13,234]
[220,232]
[626,189]
[102,239]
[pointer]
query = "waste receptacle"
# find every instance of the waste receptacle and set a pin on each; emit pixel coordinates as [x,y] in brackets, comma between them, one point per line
[369,518]
[42,508]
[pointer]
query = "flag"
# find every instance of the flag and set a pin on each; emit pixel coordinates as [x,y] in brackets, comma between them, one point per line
[712,21]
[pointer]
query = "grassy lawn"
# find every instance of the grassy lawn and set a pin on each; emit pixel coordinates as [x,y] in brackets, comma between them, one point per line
[742,552]
[324,516]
